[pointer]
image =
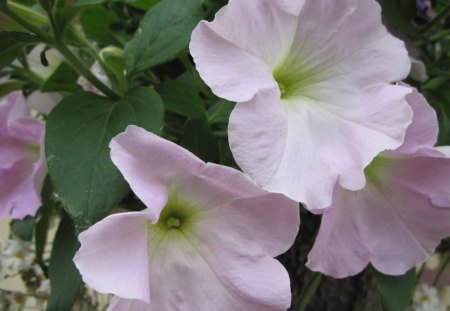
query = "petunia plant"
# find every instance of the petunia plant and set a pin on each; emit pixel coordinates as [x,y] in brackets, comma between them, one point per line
[213,155]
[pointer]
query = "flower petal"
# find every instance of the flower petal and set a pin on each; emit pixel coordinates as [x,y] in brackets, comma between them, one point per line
[359,227]
[236,64]
[110,252]
[347,45]
[302,147]
[18,195]
[423,130]
[149,164]
[186,281]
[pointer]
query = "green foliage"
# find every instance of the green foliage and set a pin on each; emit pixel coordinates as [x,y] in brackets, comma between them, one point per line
[198,138]
[23,228]
[10,49]
[85,179]
[65,279]
[96,23]
[62,80]
[179,97]
[164,32]
[396,291]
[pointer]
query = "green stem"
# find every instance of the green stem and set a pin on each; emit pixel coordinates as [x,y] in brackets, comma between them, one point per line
[443,14]
[71,58]
[309,291]
[220,134]
[86,72]
[419,274]
[42,34]
[441,270]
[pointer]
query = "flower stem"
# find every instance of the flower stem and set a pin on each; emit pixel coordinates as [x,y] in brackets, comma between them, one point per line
[309,291]
[441,270]
[70,57]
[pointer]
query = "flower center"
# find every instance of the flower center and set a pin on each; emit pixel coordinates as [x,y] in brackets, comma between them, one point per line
[173,222]
[291,79]
[177,214]
[375,168]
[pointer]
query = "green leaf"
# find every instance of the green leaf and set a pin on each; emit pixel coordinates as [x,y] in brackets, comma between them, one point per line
[9,87]
[179,97]
[198,138]
[43,217]
[396,291]
[164,32]
[65,280]
[96,23]
[78,134]
[88,2]
[400,13]
[23,228]
[114,60]
[142,4]
[63,79]
[9,51]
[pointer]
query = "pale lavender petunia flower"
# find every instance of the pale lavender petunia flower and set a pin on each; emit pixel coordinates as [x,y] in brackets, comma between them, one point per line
[22,160]
[313,81]
[396,221]
[206,240]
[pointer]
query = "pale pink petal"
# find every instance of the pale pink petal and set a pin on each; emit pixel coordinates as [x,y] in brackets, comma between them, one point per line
[113,257]
[150,164]
[22,159]
[305,146]
[429,175]
[263,22]
[232,53]
[393,223]
[184,280]
[18,194]
[239,221]
[424,129]
[445,150]
[241,76]
[340,250]
[6,106]
[346,44]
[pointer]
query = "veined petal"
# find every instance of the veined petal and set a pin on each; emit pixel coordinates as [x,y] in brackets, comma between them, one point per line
[110,252]
[423,131]
[184,280]
[305,146]
[346,42]
[239,222]
[243,59]
[18,195]
[401,200]
[22,159]
[241,76]
[268,23]
[150,164]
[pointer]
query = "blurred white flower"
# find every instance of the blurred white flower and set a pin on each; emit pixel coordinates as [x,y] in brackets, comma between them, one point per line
[53,57]
[16,256]
[18,301]
[426,299]
[100,74]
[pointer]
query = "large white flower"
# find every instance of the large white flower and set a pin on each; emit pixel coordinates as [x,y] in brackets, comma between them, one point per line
[312,80]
